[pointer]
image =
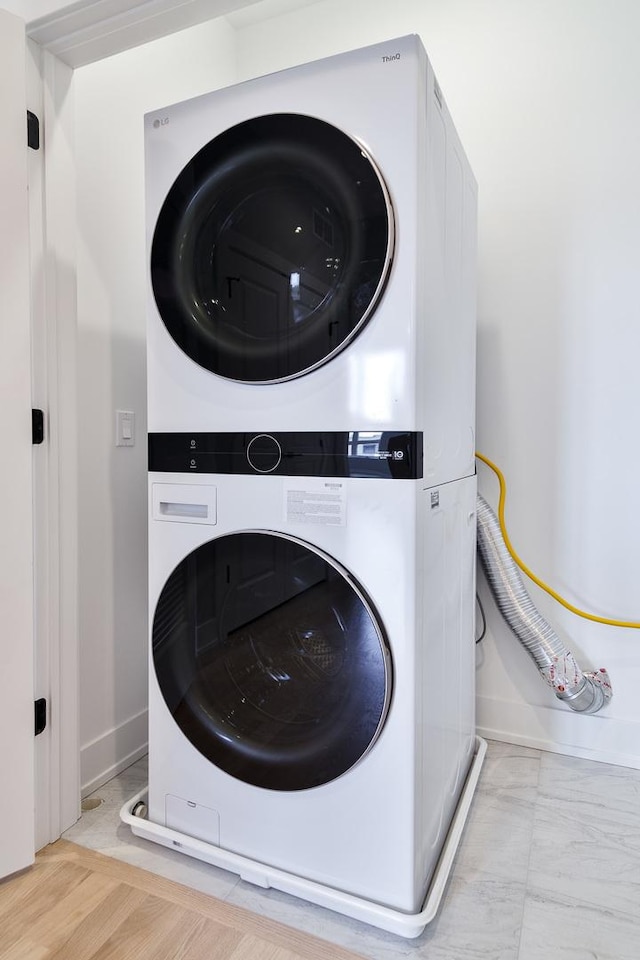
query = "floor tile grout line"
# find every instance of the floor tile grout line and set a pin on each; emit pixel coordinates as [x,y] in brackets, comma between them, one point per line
[530,848]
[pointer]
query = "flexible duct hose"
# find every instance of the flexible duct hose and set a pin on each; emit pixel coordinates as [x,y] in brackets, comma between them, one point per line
[583,692]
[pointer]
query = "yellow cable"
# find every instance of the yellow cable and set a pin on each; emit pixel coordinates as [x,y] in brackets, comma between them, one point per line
[525,568]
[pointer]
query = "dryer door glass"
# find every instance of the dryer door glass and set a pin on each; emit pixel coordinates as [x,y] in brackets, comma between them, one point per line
[272,662]
[272,248]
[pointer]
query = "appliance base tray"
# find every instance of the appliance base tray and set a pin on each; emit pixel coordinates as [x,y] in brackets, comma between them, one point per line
[375,914]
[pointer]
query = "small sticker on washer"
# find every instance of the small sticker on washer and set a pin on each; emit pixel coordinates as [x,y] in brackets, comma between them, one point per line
[435,498]
[316,501]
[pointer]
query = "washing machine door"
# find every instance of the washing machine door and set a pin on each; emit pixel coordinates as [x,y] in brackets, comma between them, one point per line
[272,248]
[271,660]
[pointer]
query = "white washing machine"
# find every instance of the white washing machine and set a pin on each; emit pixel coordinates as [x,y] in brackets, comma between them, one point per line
[311,240]
[311,363]
[312,666]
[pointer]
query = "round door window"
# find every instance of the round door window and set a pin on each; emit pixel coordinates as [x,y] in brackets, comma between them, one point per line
[272,248]
[271,660]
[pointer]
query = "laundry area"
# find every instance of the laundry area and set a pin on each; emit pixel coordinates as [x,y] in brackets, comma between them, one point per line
[333,281]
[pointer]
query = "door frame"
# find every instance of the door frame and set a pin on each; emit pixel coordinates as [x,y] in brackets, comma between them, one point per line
[61,313]
[53,333]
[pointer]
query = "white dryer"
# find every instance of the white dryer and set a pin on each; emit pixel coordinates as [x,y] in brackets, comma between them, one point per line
[311,360]
[311,239]
[312,659]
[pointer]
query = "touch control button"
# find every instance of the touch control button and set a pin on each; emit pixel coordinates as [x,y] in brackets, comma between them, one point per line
[264,453]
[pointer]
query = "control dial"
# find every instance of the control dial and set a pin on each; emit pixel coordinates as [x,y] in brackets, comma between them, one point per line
[264,453]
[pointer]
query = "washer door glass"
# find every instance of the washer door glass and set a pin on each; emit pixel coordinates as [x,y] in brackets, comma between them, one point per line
[272,248]
[271,660]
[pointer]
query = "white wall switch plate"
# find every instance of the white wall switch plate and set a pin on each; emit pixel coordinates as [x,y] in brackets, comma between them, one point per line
[125,428]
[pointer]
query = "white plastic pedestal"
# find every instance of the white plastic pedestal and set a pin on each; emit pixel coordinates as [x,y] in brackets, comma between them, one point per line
[262,875]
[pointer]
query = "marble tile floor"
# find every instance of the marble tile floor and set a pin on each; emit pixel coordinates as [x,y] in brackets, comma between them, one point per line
[548,867]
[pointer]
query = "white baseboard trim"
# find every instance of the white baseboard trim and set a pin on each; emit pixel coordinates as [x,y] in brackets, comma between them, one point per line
[550,728]
[114,751]
[560,730]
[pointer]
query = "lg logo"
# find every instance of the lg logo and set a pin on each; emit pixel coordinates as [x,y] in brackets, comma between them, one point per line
[161,123]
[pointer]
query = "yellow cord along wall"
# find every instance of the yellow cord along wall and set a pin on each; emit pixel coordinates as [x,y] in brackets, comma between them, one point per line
[609,621]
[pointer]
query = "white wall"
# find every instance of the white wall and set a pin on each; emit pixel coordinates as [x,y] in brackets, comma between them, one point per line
[546,97]
[111,98]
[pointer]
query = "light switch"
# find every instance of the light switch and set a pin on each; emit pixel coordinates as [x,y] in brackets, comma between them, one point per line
[125,428]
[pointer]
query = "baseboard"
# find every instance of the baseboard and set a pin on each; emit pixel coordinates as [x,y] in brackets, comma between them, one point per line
[560,730]
[550,728]
[114,751]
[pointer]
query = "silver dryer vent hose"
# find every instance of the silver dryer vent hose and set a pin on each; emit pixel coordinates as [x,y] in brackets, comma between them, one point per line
[583,692]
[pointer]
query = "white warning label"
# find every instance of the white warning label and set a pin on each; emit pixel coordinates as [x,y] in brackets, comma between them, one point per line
[316,501]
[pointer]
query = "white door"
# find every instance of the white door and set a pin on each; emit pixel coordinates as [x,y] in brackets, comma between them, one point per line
[16,546]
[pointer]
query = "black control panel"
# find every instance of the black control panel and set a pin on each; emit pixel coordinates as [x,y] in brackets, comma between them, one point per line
[392,455]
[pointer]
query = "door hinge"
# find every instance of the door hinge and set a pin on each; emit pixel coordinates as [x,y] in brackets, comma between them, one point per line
[33,131]
[37,426]
[40,715]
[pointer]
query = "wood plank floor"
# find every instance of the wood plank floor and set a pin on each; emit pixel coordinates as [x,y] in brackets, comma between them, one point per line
[76,904]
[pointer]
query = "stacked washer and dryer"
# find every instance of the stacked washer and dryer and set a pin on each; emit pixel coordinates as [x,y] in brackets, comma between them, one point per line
[311,358]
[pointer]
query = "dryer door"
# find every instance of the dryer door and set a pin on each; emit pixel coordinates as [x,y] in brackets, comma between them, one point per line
[272,248]
[271,660]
